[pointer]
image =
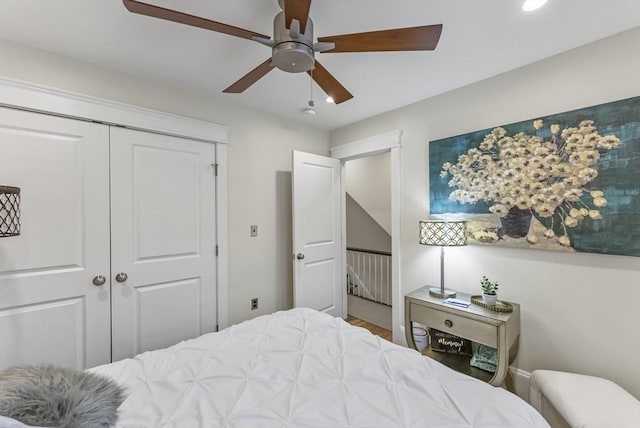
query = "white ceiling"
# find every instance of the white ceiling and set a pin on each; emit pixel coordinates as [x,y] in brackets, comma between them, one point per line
[481,38]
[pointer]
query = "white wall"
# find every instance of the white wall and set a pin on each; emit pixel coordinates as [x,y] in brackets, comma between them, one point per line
[363,232]
[579,311]
[368,181]
[259,166]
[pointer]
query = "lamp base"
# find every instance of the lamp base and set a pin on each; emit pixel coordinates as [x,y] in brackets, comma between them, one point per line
[437,292]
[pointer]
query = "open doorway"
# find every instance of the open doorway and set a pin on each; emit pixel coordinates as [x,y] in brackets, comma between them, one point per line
[388,142]
[367,184]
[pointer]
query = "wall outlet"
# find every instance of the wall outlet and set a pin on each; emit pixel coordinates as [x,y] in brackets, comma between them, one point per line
[254,303]
[254,230]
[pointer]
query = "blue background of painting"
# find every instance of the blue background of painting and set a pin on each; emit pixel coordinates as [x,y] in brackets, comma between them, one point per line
[618,232]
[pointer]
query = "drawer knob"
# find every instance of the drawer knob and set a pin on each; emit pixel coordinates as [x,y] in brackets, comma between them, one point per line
[448,323]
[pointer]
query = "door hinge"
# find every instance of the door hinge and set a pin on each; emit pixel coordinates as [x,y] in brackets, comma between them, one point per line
[217,329]
[215,169]
[216,251]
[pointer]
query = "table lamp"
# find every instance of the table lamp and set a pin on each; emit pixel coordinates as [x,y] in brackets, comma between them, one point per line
[443,234]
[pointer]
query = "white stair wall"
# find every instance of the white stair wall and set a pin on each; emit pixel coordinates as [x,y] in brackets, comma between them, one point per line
[368,181]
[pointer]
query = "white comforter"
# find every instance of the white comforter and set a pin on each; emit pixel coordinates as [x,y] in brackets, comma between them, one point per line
[302,368]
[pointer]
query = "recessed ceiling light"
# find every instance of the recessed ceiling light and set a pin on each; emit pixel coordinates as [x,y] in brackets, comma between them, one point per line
[530,5]
[329,100]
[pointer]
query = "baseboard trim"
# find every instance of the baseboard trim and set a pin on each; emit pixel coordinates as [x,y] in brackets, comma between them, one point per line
[369,311]
[521,381]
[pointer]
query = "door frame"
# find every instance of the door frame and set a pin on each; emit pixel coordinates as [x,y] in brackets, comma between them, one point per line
[374,145]
[43,99]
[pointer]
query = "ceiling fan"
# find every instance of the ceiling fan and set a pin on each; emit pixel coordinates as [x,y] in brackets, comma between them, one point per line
[293,46]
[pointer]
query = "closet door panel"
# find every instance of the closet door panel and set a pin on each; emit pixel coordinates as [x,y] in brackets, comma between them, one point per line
[177,297]
[50,310]
[167,197]
[163,239]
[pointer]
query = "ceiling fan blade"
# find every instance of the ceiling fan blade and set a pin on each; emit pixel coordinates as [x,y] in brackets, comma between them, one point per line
[329,84]
[146,9]
[250,78]
[422,38]
[297,9]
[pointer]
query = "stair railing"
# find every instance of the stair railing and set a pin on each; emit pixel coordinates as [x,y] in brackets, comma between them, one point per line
[369,275]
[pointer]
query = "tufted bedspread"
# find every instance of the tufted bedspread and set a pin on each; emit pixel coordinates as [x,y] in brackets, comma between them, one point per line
[302,368]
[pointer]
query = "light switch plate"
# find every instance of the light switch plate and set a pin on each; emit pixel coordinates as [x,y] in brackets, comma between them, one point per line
[254,230]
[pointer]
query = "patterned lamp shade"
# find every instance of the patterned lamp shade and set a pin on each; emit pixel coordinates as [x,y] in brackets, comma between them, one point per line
[9,211]
[443,233]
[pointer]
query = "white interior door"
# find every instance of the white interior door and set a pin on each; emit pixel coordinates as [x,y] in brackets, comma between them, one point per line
[50,310]
[317,243]
[163,240]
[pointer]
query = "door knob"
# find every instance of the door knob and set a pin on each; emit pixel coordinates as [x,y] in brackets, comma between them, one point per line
[99,280]
[300,256]
[121,277]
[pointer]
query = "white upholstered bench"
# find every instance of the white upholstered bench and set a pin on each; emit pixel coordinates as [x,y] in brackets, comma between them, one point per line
[569,400]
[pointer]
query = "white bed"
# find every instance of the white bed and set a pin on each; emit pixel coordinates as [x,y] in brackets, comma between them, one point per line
[302,368]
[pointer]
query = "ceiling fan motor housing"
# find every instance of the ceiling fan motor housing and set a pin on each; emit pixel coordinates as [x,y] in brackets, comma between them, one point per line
[292,53]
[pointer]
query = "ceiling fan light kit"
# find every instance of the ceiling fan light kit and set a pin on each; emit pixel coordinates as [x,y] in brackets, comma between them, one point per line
[293,48]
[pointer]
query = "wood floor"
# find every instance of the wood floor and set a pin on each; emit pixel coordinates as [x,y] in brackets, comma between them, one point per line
[379,331]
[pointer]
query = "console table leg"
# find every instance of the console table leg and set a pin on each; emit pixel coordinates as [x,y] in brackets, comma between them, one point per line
[508,382]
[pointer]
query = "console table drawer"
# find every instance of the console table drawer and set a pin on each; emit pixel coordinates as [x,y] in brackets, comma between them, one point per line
[487,334]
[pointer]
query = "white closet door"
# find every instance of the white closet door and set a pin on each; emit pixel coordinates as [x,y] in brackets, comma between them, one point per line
[50,311]
[163,239]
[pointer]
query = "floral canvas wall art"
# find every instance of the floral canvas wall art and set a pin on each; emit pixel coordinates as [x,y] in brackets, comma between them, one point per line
[569,181]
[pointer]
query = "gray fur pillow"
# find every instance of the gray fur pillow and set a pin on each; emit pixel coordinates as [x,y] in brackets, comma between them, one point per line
[56,396]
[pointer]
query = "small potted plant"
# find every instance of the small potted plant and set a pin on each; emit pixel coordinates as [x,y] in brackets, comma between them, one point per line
[489,291]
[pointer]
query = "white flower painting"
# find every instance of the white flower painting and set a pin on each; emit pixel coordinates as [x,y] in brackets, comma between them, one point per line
[540,183]
[529,175]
